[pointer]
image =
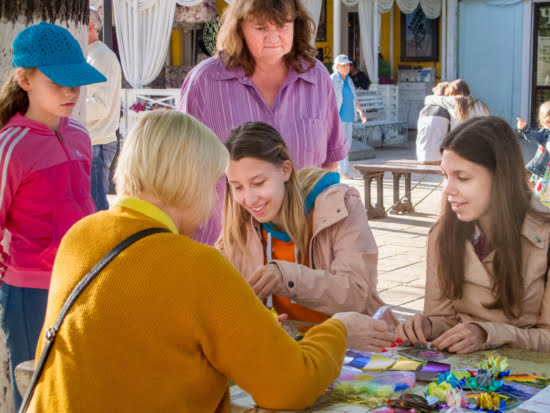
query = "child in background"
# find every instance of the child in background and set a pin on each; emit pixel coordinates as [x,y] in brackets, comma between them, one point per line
[433,124]
[537,165]
[45,161]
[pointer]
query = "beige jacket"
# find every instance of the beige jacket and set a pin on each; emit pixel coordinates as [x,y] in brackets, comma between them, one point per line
[342,252]
[449,103]
[532,329]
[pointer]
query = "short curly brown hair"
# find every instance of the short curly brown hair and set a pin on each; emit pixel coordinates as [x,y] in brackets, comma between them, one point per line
[232,48]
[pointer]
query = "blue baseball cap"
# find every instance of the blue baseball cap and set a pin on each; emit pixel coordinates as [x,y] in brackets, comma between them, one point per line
[56,53]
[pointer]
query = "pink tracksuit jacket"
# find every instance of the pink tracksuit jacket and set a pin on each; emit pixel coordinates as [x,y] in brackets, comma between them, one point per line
[45,189]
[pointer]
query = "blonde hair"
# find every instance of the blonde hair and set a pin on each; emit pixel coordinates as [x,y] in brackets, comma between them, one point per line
[13,99]
[308,178]
[440,89]
[544,114]
[232,48]
[260,140]
[175,157]
[464,101]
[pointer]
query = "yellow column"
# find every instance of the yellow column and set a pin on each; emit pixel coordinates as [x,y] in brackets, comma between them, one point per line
[176,48]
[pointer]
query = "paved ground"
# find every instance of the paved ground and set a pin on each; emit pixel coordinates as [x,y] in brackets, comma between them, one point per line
[402,239]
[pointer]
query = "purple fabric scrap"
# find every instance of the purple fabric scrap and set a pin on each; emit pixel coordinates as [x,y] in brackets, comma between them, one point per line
[436,367]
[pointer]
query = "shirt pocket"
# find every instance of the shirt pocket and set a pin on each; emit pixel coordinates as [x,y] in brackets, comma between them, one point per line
[306,139]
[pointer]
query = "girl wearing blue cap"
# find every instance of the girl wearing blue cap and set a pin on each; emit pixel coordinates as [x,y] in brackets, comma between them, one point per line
[45,161]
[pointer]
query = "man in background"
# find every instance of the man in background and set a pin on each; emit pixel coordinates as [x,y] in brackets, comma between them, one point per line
[360,79]
[102,111]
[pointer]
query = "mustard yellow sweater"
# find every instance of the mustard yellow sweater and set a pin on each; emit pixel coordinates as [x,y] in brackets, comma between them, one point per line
[165,325]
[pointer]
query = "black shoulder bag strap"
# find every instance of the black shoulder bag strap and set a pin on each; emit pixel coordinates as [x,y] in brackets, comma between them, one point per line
[80,287]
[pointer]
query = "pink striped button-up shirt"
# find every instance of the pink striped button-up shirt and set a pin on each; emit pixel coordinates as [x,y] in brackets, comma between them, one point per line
[304,112]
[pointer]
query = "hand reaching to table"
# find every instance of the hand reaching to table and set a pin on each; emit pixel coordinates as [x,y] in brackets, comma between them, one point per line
[415,330]
[365,333]
[266,280]
[462,339]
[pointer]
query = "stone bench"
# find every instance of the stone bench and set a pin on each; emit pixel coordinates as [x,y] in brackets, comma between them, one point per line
[398,168]
[371,102]
[380,133]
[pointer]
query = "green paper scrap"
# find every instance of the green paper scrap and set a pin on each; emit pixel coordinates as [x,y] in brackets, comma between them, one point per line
[378,363]
[459,374]
[404,364]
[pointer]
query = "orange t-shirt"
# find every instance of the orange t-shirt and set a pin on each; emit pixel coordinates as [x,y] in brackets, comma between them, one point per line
[285,251]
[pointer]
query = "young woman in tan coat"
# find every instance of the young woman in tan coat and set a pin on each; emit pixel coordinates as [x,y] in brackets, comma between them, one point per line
[487,267]
[302,238]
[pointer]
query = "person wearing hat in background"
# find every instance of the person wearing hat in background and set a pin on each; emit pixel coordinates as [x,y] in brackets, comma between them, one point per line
[346,98]
[102,111]
[45,161]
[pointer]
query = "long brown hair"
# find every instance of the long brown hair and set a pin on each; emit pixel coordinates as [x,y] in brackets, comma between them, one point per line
[491,143]
[232,48]
[260,140]
[464,101]
[13,99]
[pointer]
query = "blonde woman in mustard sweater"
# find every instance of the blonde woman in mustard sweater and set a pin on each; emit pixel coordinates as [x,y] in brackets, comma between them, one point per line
[169,320]
[487,267]
[301,237]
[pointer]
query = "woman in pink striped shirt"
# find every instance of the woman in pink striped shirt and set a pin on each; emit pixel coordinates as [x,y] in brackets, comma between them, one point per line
[265,70]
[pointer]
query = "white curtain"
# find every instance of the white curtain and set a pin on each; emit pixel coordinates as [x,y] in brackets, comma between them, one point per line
[143,30]
[431,8]
[369,26]
[96,4]
[314,7]
[189,3]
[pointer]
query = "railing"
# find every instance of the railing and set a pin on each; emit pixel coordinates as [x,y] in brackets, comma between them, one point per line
[151,98]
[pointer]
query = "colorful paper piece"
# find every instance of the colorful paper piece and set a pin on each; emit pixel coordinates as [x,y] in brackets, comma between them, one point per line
[421,354]
[359,362]
[436,367]
[378,362]
[404,364]
[537,404]
[441,390]
[497,365]
[376,384]
[518,390]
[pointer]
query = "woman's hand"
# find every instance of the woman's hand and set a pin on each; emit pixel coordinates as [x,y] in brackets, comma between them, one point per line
[365,333]
[266,280]
[521,123]
[462,339]
[415,329]
[375,303]
[363,117]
